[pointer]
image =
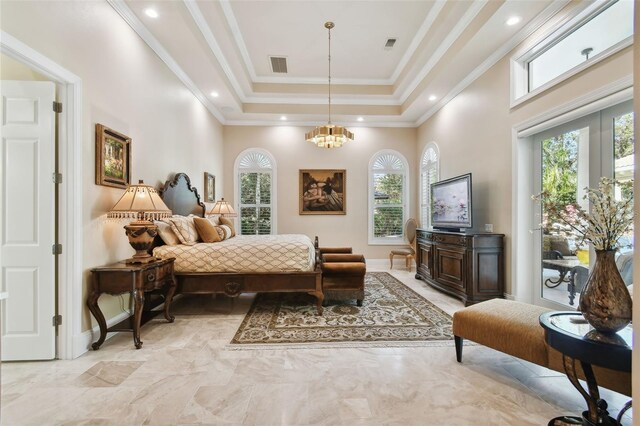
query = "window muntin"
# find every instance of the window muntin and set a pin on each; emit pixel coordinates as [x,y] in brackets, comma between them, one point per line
[429,173]
[608,28]
[388,183]
[255,192]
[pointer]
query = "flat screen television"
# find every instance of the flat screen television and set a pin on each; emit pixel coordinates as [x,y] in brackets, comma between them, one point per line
[451,203]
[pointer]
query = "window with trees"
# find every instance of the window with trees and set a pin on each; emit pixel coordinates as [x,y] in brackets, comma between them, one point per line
[388,197]
[429,173]
[255,180]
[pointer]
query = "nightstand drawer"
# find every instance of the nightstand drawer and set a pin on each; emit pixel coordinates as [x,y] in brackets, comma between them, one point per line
[155,278]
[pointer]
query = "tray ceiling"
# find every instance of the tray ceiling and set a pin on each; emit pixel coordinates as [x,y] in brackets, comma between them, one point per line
[225,47]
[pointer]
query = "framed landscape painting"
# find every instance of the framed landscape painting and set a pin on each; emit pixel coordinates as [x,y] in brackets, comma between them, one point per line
[209,188]
[323,191]
[113,158]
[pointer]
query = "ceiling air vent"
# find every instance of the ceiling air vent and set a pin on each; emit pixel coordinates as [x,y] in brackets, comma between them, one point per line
[390,42]
[278,64]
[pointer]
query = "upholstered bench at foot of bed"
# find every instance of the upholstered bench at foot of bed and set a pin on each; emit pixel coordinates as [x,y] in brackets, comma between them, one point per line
[343,277]
[513,328]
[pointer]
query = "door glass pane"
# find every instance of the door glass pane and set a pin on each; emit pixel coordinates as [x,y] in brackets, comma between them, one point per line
[565,172]
[623,152]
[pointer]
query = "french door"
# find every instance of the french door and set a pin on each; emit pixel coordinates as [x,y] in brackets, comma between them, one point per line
[569,158]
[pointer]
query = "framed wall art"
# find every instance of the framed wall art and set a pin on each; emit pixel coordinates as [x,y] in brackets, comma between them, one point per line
[113,157]
[323,191]
[209,188]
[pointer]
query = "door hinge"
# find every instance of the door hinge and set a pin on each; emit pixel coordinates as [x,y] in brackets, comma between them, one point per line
[57,107]
[56,249]
[57,320]
[57,178]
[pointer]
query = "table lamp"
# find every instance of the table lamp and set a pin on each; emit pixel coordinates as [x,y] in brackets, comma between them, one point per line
[223,208]
[141,202]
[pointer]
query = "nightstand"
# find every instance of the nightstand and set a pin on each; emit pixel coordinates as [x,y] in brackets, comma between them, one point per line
[154,278]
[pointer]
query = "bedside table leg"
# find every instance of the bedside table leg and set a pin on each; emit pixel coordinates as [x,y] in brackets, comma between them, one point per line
[138,298]
[168,299]
[92,304]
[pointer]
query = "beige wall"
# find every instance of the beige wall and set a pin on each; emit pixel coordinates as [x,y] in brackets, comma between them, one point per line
[292,153]
[10,69]
[128,88]
[474,134]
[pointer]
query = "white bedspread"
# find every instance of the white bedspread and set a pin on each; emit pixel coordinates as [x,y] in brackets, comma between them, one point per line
[244,253]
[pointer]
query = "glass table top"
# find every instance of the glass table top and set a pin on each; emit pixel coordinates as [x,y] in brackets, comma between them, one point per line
[575,323]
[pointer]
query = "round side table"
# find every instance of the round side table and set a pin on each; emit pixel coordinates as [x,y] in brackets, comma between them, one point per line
[576,340]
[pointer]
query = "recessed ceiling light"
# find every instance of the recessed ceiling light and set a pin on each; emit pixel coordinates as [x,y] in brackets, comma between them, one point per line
[513,20]
[283,118]
[360,119]
[215,94]
[433,98]
[151,13]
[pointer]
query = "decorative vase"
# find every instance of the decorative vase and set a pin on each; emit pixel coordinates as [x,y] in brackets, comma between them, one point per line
[605,301]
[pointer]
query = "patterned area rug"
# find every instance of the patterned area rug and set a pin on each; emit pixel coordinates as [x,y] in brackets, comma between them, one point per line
[392,315]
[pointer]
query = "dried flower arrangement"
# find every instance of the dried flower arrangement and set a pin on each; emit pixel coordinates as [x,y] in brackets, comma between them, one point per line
[608,221]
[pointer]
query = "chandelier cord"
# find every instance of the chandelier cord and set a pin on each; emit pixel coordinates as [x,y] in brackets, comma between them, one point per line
[329,75]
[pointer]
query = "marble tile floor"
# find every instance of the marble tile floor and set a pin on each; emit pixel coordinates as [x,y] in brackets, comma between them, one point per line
[184,375]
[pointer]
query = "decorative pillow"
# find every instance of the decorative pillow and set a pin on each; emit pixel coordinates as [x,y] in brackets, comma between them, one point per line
[185,229]
[213,219]
[226,230]
[166,233]
[229,223]
[206,230]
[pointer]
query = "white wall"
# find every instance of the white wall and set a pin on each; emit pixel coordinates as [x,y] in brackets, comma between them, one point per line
[129,89]
[474,134]
[292,153]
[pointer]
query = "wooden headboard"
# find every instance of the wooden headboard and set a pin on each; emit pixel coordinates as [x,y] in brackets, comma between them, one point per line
[181,198]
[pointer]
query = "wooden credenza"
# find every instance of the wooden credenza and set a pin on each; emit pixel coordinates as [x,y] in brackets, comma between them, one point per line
[469,266]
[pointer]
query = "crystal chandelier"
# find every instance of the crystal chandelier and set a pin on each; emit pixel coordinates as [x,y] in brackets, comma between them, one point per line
[329,136]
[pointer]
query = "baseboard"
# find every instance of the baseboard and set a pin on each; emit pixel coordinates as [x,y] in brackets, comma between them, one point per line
[509,296]
[82,342]
[380,263]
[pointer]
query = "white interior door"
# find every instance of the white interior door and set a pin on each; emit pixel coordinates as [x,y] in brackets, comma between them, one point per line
[28,220]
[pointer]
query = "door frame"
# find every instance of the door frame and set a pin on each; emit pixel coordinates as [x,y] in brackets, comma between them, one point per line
[69,87]
[523,248]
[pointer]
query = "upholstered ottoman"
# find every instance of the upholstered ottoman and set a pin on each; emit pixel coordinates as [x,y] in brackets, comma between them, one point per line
[343,276]
[513,328]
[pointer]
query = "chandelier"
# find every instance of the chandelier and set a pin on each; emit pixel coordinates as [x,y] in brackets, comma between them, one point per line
[329,136]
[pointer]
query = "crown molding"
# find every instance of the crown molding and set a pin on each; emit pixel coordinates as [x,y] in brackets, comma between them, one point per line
[355,125]
[456,32]
[203,26]
[420,35]
[130,18]
[500,53]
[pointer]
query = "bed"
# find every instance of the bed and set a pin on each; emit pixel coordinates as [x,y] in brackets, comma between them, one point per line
[202,269]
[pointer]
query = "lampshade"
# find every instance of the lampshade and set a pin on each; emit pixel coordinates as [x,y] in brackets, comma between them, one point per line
[329,136]
[140,202]
[223,208]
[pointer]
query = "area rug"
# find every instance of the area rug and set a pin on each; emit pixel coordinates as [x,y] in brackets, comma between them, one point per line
[392,315]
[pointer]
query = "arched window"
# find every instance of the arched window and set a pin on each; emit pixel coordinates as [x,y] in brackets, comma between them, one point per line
[255,195]
[429,173]
[388,197]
